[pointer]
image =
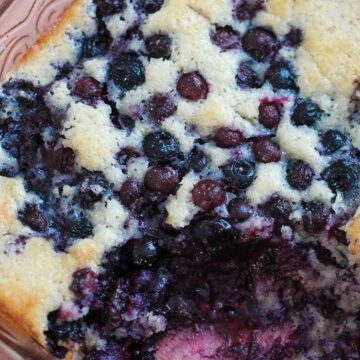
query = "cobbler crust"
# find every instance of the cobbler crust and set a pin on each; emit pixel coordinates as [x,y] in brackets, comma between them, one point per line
[37,281]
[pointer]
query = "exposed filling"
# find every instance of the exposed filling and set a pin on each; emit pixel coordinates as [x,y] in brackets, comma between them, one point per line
[233,247]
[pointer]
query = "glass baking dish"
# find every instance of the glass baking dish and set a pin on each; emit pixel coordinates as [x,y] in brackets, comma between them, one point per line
[21,23]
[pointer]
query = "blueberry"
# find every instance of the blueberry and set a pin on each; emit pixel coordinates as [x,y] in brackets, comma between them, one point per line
[226,38]
[97,44]
[87,88]
[277,207]
[269,114]
[8,171]
[332,140]
[247,9]
[227,138]
[294,37]
[340,235]
[83,285]
[127,72]
[93,46]
[92,187]
[160,146]
[125,155]
[124,122]
[265,151]
[130,191]
[162,179]
[151,6]
[259,43]
[316,217]
[34,218]
[246,77]
[240,174]
[281,76]
[64,330]
[342,175]
[197,161]
[80,227]
[160,107]
[208,194]
[110,7]
[144,252]
[299,174]
[306,113]
[158,46]
[63,159]
[192,86]
[210,229]
[240,209]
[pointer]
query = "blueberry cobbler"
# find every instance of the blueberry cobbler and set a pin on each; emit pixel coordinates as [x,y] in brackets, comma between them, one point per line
[180,180]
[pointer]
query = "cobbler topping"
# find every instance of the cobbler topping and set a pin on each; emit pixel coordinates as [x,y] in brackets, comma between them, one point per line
[196,194]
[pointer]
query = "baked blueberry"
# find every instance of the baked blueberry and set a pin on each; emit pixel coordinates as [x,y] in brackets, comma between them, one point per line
[127,72]
[63,159]
[246,77]
[130,192]
[158,46]
[160,107]
[209,229]
[239,174]
[208,194]
[92,187]
[79,226]
[269,114]
[144,252]
[259,43]
[240,209]
[228,138]
[299,174]
[84,285]
[197,161]
[151,6]
[97,44]
[294,37]
[162,179]
[306,113]
[226,38]
[280,76]
[87,88]
[33,217]
[247,9]
[160,146]
[277,207]
[332,140]
[110,7]
[124,122]
[316,217]
[342,175]
[265,151]
[192,86]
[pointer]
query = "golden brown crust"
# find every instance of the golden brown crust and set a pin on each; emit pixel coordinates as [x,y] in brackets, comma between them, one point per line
[56,31]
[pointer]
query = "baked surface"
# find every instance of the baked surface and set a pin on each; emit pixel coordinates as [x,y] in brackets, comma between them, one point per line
[37,264]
